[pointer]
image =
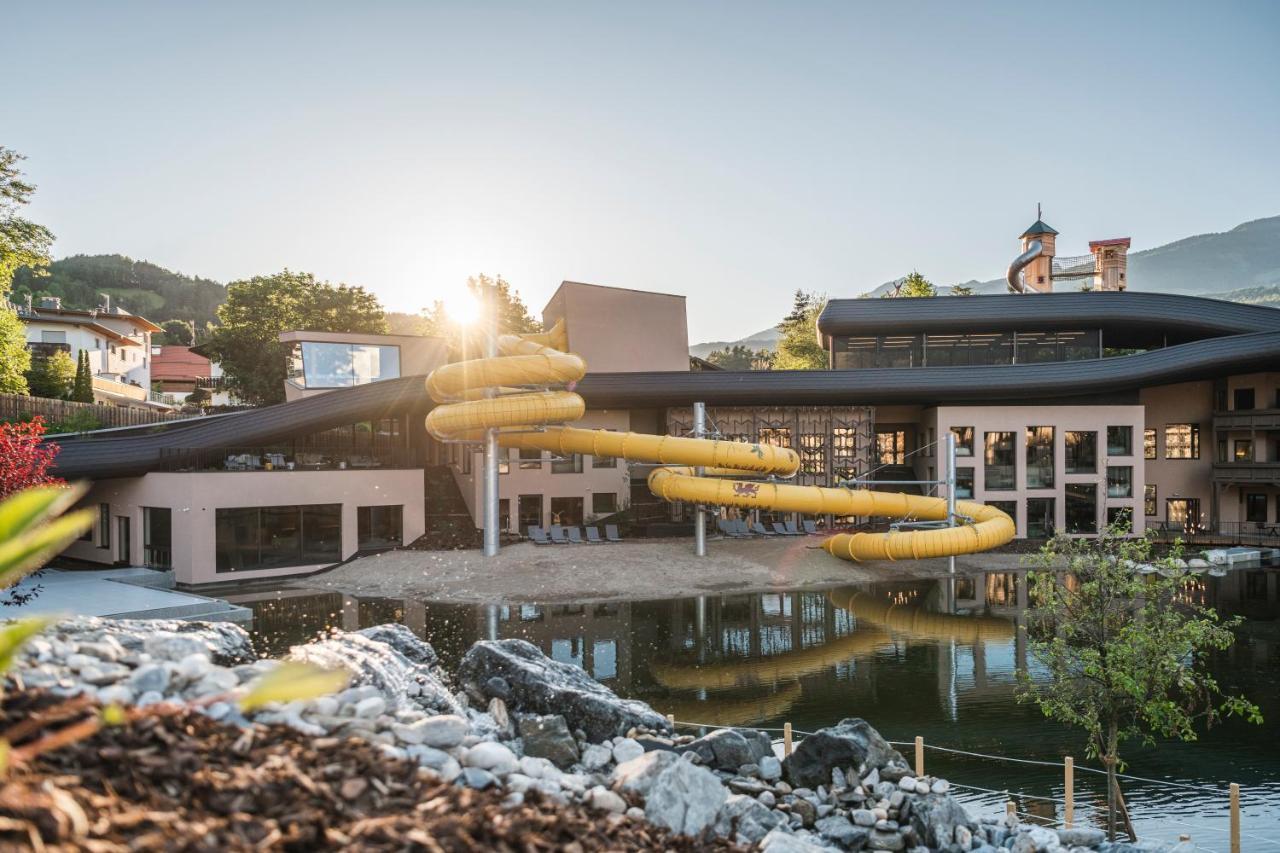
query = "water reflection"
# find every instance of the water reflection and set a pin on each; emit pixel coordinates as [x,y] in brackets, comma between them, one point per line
[936,658]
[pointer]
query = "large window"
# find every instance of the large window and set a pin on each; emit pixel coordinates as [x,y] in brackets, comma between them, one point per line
[1037,347]
[1149,499]
[1148,444]
[964,440]
[604,503]
[844,452]
[1082,507]
[1040,518]
[157,537]
[1243,450]
[571,464]
[890,351]
[964,483]
[1255,508]
[813,453]
[1040,457]
[1000,471]
[891,446]
[966,350]
[1082,452]
[1119,441]
[1009,508]
[1182,441]
[566,511]
[1242,399]
[1182,513]
[530,458]
[379,526]
[273,537]
[334,365]
[1119,481]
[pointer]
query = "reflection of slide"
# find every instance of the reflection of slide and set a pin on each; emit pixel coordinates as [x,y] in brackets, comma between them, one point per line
[539,361]
[732,712]
[915,621]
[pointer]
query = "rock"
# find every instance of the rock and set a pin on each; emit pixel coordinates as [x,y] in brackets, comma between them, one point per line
[381,667]
[922,787]
[541,685]
[602,799]
[491,756]
[501,719]
[596,756]
[964,837]
[684,798]
[806,810]
[747,786]
[850,743]
[627,749]
[941,786]
[880,840]
[404,641]
[746,817]
[549,737]
[374,706]
[1022,843]
[475,777]
[1081,836]
[729,749]
[116,694]
[887,825]
[871,779]
[907,784]
[934,817]
[863,817]
[149,677]
[1044,838]
[194,667]
[767,798]
[442,731]
[636,777]
[770,768]
[539,768]
[635,813]
[780,841]
[842,832]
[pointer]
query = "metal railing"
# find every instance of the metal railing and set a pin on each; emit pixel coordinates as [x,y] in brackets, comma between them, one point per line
[1222,533]
[178,459]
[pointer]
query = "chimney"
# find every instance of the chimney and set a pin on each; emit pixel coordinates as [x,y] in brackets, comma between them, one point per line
[52,303]
[1110,263]
[104,303]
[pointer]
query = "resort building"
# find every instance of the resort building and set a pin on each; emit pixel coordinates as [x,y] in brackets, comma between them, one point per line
[1071,411]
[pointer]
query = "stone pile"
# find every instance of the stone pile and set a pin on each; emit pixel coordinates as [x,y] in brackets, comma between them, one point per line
[519,723]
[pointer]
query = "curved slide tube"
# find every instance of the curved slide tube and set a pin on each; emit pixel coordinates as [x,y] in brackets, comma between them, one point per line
[539,361]
[1014,276]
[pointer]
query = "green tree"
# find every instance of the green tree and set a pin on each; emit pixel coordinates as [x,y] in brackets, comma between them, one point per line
[180,333]
[799,349]
[513,314]
[82,387]
[962,290]
[22,243]
[1124,653]
[916,286]
[15,359]
[51,376]
[736,357]
[247,343]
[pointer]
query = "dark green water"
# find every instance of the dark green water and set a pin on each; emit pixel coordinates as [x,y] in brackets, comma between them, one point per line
[892,653]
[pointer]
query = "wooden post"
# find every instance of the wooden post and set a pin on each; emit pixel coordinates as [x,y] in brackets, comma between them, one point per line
[786,739]
[1010,810]
[671,720]
[919,755]
[1235,818]
[1069,791]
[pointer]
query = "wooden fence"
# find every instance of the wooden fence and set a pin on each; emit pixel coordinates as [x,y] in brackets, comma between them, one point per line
[19,407]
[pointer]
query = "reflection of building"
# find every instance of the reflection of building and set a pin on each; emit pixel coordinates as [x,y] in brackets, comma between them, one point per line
[596,637]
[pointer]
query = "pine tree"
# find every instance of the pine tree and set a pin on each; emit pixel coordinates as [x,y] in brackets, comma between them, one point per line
[798,349]
[82,387]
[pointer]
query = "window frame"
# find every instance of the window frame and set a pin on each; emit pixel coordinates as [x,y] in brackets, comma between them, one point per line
[1192,447]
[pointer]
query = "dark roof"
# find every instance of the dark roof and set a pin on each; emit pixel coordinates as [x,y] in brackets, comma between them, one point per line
[1038,227]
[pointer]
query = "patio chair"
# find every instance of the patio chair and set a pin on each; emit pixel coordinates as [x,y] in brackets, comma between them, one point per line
[557,535]
[575,535]
[778,528]
[810,527]
[593,535]
[725,530]
[739,526]
[758,528]
[611,533]
[538,535]
[792,530]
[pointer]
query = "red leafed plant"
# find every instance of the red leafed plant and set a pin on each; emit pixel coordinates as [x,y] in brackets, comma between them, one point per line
[24,461]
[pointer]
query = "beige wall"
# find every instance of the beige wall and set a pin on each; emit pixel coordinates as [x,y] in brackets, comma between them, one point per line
[1063,419]
[620,331]
[194,497]
[1184,403]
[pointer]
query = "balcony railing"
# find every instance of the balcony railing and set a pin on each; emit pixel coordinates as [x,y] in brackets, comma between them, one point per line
[119,389]
[1251,419]
[1260,533]
[43,349]
[1246,472]
[176,459]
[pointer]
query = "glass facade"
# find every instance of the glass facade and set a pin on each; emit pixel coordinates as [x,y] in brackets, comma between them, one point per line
[379,526]
[1000,468]
[1148,444]
[964,483]
[1182,441]
[1119,481]
[964,350]
[566,511]
[1119,441]
[273,537]
[1040,467]
[157,537]
[883,351]
[604,503]
[1082,507]
[1082,452]
[967,350]
[336,365]
[571,464]
[1040,515]
[1039,347]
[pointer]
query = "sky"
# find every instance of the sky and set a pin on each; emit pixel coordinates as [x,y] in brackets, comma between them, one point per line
[731,152]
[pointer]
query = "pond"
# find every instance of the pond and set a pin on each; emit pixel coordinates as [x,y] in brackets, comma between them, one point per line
[914,658]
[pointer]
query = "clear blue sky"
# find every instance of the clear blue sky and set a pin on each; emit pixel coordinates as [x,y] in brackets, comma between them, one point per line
[731,152]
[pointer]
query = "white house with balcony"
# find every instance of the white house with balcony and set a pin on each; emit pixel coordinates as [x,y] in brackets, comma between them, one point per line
[118,344]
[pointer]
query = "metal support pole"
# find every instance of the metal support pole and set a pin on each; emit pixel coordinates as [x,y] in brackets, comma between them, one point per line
[699,528]
[491,531]
[951,503]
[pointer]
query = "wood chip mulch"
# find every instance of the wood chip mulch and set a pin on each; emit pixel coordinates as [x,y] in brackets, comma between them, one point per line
[187,783]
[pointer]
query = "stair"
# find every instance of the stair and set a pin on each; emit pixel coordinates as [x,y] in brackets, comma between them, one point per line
[897,472]
[449,524]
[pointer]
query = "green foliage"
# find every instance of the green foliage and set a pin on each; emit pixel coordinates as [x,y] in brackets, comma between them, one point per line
[256,312]
[799,349]
[1125,653]
[14,634]
[33,528]
[15,359]
[138,286]
[52,376]
[180,333]
[78,421]
[961,290]
[291,681]
[82,385]
[22,242]
[741,357]
[513,314]
[916,286]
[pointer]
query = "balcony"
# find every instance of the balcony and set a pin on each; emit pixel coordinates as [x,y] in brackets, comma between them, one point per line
[1246,472]
[320,458]
[1262,534]
[41,349]
[1252,419]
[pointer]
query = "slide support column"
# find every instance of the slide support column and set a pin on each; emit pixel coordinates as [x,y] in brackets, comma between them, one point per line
[491,531]
[699,528]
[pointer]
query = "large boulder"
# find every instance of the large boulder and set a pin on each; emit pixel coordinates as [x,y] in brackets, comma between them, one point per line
[852,743]
[403,640]
[729,749]
[746,819]
[549,737]
[377,664]
[224,643]
[536,684]
[685,798]
[635,778]
[935,818]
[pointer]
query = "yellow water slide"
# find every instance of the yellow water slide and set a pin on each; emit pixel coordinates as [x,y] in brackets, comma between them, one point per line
[529,419]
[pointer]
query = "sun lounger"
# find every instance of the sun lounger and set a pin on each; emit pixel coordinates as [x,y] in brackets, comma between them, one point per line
[593,536]
[611,533]
[726,529]
[557,535]
[778,528]
[758,528]
[575,535]
[538,535]
[792,530]
[810,527]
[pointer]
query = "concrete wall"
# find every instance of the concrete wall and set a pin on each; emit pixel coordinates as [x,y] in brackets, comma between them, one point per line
[194,497]
[1187,402]
[620,331]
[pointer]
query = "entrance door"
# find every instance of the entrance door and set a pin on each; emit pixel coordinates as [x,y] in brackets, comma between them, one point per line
[122,540]
[1183,513]
[530,509]
[891,446]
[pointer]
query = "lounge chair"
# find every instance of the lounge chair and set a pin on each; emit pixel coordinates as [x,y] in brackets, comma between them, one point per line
[739,526]
[810,527]
[778,528]
[758,528]
[557,535]
[611,533]
[593,535]
[575,535]
[726,530]
[792,530]
[538,535]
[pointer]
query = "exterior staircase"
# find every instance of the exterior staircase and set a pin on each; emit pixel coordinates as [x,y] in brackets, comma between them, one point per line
[449,524]
[897,472]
